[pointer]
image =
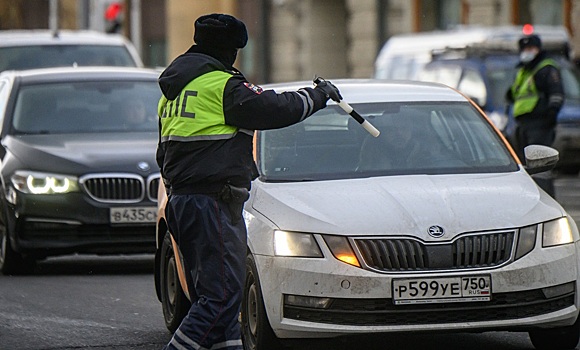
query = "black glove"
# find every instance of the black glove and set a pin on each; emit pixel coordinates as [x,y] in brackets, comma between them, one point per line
[328,89]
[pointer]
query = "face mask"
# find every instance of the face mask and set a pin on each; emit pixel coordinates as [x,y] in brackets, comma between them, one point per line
[527,56]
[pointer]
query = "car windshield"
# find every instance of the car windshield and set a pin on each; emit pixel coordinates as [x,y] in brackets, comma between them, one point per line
[43,56]
[86,107]
[416,138]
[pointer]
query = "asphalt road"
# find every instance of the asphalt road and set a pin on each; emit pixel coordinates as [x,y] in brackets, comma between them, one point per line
[91,302]
[82,302]
[568,195]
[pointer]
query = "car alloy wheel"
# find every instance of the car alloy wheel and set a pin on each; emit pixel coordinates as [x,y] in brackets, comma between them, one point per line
[173,300]
[256,330]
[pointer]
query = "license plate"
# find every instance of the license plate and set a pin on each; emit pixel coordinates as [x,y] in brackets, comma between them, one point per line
[133,215]
[441,289]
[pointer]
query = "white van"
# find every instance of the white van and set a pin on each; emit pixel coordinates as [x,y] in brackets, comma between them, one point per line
[403,56]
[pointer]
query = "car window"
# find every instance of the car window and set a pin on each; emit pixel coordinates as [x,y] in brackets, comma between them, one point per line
[500,80]
[42,56]
[448,75]
[86,107]
[417,138]
[571,81]
[401,67]
[473,85]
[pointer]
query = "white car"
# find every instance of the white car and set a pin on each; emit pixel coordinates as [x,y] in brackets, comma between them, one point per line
[40,48]
[434,225]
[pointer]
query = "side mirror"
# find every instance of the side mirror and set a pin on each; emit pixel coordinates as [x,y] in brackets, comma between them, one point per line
[540,158]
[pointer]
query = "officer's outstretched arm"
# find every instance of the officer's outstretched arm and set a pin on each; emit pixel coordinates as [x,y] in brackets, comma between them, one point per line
[248,106]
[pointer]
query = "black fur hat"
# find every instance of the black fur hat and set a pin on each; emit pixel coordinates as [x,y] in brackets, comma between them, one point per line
[220,31]
[530,40]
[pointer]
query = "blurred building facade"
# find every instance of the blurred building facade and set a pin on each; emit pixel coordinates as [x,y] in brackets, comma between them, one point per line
[291,39]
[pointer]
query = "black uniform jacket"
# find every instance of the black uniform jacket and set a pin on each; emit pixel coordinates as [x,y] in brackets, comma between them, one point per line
[205,166]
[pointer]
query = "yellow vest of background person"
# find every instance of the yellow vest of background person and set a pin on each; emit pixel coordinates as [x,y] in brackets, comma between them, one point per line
[524,89]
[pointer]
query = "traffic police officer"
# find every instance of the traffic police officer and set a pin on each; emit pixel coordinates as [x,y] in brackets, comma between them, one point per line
[537,95]
[208,112]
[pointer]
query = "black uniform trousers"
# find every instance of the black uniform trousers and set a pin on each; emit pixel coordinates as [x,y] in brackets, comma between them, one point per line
[534,134]
[214,253]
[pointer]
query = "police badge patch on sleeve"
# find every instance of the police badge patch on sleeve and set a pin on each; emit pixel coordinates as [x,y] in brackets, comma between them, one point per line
[256,89]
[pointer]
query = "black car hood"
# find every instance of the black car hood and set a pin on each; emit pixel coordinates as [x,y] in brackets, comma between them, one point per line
[78,154]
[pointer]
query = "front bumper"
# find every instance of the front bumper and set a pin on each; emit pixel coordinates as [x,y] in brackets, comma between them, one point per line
[362,300]
[73,223]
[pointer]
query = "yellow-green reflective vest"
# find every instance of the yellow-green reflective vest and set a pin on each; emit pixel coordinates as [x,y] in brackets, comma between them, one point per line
[197,113]
[524,91]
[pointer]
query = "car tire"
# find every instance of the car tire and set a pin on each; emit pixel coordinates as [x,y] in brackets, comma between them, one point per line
[174,303]
[11,262]
[564,338]
[257,333]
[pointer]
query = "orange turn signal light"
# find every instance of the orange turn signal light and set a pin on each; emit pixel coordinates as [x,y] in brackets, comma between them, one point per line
[341,249]
[349,259]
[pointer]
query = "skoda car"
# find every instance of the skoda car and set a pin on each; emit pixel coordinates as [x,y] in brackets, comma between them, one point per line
[78,163]
[434,225]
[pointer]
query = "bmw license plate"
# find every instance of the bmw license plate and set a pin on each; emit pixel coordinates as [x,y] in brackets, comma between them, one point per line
[133,215]
[442,289]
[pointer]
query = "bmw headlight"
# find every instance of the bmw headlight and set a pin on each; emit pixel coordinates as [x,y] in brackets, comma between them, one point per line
[557,232]
[296,244]
[43,183]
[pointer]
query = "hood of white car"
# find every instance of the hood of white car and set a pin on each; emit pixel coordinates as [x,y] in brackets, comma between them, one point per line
[406,204]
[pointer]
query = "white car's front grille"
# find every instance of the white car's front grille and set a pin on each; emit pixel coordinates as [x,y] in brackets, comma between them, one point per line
[404,254]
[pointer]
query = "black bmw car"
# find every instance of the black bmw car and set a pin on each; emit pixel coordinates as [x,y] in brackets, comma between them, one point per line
[78,170]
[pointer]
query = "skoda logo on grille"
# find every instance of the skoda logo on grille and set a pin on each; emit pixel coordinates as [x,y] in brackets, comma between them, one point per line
[143,166]
[436,231]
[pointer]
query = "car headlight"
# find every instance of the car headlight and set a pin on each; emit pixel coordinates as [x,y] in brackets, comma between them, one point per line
[557,232]
[43,183]
[296,244]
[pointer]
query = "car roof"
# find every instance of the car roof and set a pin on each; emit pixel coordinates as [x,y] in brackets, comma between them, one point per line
[72,73]
[61,37]
[376,90]
[506,36]
[486,58]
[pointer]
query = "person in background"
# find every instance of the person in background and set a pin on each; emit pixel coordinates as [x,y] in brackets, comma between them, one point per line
[537,95]
[134,112]
[208,113]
